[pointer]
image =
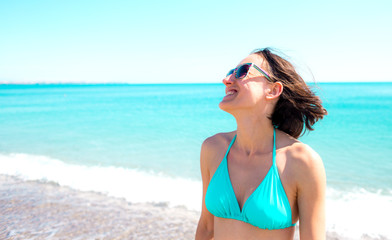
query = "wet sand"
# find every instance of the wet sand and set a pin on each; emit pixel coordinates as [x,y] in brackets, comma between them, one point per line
[37,210]
[45,210]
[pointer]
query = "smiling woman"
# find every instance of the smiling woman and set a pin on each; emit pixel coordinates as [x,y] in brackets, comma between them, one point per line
[267,180]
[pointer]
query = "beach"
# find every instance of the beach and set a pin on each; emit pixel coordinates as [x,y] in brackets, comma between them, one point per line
[121,161]
[39,210]
[46,210]
[105,107]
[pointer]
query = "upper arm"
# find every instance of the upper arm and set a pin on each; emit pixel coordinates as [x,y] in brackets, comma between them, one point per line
[311,194]
[205,228]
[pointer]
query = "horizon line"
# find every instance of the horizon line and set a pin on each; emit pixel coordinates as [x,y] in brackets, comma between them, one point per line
[159,83]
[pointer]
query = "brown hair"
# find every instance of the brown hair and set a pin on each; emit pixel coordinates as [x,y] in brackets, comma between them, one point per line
[298,106]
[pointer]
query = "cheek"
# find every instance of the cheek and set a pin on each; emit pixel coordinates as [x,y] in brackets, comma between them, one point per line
[257,94]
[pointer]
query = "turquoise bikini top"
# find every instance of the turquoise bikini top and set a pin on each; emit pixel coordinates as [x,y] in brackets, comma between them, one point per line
[267,207]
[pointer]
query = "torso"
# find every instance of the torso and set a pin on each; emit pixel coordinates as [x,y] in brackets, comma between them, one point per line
[246,176]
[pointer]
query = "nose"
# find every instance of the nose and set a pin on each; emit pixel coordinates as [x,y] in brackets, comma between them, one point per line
[228,80]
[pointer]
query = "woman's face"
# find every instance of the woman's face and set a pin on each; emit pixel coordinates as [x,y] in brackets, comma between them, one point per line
[248,92]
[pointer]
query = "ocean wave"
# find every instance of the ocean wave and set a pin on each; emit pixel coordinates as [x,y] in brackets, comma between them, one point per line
[131,184]
[353,214]
[359,214]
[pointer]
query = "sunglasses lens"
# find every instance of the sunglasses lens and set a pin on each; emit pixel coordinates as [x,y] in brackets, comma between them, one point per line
[242,71]
[230,72]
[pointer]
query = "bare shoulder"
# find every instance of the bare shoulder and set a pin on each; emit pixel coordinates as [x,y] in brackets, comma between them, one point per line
[211,143]
[306,164]
[303,155]
[214,147]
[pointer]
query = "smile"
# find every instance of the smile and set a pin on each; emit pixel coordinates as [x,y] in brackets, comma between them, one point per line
[231,92]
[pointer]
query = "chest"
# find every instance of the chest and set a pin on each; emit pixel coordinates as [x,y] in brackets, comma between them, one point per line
[247,176]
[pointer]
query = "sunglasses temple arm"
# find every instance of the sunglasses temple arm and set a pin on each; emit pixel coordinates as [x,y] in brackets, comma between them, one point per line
[262,72]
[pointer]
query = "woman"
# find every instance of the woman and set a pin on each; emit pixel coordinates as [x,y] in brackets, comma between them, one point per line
[259,180]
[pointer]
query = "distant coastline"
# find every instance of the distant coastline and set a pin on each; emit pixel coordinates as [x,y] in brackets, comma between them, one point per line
[174,83]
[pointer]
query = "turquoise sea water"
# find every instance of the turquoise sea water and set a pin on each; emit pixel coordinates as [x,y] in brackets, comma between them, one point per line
[160,127]
[158,130]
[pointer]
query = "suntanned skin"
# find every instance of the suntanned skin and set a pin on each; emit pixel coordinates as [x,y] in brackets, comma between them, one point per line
[300,168]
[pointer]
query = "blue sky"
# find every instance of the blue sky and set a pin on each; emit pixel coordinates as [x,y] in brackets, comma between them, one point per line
[190,41]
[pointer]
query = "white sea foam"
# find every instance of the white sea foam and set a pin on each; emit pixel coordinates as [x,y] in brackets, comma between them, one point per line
[358,213]
[353,214]
[131,184]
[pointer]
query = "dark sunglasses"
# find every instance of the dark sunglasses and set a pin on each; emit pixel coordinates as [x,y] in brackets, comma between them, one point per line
[242,71]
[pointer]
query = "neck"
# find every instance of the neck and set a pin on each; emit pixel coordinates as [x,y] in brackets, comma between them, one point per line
[255,134]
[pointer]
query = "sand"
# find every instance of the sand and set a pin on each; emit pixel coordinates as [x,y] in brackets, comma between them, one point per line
[45,210]
[38,210]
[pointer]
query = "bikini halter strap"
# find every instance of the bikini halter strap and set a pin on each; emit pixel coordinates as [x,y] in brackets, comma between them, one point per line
[273,149]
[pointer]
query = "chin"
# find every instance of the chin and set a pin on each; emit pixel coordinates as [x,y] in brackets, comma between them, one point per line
[226,106]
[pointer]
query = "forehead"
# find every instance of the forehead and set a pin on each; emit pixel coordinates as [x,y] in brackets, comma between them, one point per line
[252,58]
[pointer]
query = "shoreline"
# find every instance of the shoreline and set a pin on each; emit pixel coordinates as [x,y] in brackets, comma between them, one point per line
[46,210]
[39,210]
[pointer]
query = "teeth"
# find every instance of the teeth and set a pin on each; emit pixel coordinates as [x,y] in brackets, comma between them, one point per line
[230,92]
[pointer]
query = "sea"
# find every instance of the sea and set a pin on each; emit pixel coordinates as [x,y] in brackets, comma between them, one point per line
[141,142]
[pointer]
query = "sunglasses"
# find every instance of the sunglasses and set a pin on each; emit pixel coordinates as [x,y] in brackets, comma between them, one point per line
[242,71]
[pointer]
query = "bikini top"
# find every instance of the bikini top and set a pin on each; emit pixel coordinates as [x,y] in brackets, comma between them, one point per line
[267,207]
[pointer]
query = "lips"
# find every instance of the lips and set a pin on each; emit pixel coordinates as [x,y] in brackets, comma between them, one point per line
[230,92]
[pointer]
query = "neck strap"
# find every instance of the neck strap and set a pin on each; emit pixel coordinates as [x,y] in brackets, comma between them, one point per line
[273,149]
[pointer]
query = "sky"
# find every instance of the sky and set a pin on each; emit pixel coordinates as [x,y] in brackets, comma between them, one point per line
[96,41]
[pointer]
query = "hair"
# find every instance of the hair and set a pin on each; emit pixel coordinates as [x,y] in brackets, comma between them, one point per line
[298,106]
